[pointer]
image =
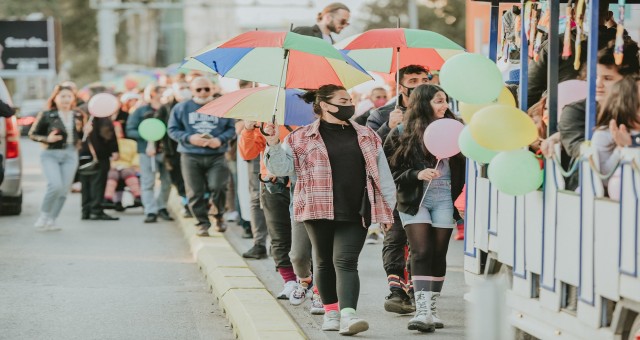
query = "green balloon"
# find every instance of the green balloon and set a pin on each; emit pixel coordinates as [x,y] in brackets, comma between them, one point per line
[152,129]
[470,148]
[471,78]
[515,172]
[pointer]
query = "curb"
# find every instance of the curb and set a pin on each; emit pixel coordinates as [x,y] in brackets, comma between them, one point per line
[253,312]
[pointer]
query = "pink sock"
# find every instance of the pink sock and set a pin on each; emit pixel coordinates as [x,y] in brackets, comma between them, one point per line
[331,306]
[315,289]
[287,274]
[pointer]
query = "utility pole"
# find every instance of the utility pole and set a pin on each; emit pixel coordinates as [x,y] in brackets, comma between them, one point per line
[107,29]
[413,14]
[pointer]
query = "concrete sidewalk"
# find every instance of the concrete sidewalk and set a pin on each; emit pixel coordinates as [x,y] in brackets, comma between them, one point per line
[249,306]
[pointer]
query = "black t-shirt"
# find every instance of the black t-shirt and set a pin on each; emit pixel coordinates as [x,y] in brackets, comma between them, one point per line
[347,169]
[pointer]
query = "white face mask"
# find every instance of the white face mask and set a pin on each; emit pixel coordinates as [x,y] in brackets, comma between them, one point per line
[184,95]
[202,101]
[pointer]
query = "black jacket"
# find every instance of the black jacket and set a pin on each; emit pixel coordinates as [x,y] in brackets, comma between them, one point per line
[312,31]
[102,138]
[571,127]
[6,110]
[48,121]
[409,188]
[379,119]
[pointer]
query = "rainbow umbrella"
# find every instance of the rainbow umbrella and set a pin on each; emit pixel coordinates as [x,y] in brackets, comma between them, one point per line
[249,104]
[389,49]
[285,60]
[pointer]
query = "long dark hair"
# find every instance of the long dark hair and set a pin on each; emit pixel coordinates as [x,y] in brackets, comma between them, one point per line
[323,94]
[411,150]
[622,104]
[51,102]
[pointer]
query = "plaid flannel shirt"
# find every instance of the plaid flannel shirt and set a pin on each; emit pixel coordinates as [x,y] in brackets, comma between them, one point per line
[305,155]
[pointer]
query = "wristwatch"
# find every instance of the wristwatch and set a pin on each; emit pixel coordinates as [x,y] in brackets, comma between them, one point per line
[635,141]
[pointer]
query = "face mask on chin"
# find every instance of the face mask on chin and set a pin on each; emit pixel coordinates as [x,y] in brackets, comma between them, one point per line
[344,113]
[202,101]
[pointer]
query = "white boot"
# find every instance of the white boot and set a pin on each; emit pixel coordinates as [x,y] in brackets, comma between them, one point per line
[434,310]
[423,320]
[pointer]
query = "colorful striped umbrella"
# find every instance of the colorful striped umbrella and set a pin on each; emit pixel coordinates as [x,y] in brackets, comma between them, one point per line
[389,49]
[283,59]
[250,104]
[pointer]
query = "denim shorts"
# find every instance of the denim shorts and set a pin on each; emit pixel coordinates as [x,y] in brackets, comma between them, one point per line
[436,208]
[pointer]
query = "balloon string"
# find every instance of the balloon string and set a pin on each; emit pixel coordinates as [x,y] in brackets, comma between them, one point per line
[429,184]
[84,137]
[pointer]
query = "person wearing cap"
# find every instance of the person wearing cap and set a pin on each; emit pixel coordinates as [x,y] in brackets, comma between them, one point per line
[333,19]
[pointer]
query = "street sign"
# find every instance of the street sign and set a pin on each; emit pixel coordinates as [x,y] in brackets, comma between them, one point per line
[27,47]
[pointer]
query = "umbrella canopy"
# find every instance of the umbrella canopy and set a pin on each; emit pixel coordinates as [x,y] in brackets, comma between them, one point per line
[377,49]
[283,59]
[253,103]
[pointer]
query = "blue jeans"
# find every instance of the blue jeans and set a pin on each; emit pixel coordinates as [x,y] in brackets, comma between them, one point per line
[59,168]
[436,208]
[150,202]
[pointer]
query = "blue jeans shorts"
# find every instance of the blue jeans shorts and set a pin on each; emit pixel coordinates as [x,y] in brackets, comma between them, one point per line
[436,208]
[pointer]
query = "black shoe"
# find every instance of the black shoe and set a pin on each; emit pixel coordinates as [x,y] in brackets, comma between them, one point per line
[85,216]
[247,234]
[203,230]
[103,217]
[108,205]
[151,218]
[256,252]
[187,212]
[119,207]
[398,302]
[137,202]
[164,214]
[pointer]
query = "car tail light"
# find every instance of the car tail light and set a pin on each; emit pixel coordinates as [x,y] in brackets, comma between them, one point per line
[13,138]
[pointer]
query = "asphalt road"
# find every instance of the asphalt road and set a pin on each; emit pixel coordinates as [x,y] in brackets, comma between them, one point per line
[99,280]
[373,289]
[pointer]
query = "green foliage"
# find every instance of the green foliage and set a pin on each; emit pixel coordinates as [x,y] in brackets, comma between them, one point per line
[448,20]
[79,32]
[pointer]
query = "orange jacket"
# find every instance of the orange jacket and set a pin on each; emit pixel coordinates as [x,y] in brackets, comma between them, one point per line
[252,144]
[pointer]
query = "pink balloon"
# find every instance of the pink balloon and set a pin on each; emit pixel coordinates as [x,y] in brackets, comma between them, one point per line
[614,186]
[103,105]
[441,137]
[570,91]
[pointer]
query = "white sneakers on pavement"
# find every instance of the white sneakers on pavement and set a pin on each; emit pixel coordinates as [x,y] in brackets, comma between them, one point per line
[289,287]
[331,321]
[44,224]
[317,308]
[298,296]
[351,324]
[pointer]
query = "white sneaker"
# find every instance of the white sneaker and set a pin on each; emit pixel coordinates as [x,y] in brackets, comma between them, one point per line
[51,225]
[231,216]
[298,296]
[289,287]
[352,324]
[372,238]
[317,308]
[41,223]
[331,321]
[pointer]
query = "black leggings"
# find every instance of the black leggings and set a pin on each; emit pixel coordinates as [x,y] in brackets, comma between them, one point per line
[337,246]
[429,246]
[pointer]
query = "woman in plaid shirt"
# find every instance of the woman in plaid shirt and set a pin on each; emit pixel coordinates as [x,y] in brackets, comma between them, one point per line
[344,185]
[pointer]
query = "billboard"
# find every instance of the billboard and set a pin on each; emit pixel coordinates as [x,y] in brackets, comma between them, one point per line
[27,47]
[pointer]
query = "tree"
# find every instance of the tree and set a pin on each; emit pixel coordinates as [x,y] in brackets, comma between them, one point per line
[446,17]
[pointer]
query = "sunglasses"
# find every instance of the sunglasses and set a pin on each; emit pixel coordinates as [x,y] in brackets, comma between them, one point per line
[205,89]
[344,22]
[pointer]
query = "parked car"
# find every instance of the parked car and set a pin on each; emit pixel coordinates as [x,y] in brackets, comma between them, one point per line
[29,109]
[11,187]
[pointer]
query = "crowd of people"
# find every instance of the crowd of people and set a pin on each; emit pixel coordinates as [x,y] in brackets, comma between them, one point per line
[321,191]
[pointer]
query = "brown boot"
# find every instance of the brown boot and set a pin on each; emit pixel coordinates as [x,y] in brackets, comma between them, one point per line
[219,225]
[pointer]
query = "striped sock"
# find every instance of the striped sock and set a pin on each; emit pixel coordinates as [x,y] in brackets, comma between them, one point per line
[428,283]
[287,274]
[395,282]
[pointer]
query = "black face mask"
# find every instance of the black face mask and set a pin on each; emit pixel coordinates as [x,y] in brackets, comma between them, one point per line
[344,113]
[409,90]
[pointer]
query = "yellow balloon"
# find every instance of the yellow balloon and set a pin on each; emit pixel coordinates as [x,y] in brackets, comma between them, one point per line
[468,110]
[502,128]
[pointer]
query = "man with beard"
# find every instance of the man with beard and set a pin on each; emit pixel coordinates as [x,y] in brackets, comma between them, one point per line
[203,141]
[154,207]
[333,19]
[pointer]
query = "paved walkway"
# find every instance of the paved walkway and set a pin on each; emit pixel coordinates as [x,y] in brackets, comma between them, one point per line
[99,280]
